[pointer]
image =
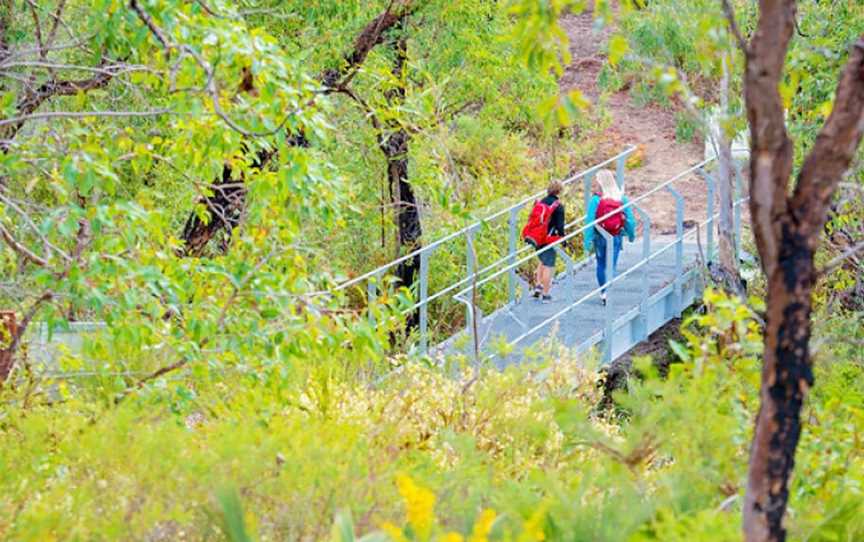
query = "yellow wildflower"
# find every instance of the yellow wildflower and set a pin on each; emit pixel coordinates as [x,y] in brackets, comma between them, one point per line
[451,537]
[419,503]
[483,526]
[532,529]
[394,532]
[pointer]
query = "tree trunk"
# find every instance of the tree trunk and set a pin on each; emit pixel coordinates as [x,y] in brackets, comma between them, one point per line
[728,276]
[226,207]
[394,145]
[787,231]
[726,225]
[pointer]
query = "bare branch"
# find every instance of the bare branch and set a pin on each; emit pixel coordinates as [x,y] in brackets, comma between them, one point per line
[46,296]
[37,25]
[148,22]
[20,249]
[6,7]
[729,11]
[106,69]
[835,146]
[838,261]
[52,34]
[85,114]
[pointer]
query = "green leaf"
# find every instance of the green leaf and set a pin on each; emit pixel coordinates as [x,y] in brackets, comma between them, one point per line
[232,516]
[680,350]
[618,47]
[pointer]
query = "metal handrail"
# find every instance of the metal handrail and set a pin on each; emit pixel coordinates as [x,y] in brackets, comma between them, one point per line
[431,246]
[618,277]
[564,239]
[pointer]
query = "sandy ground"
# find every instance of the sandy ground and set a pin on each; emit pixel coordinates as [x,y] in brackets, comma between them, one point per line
[651,128]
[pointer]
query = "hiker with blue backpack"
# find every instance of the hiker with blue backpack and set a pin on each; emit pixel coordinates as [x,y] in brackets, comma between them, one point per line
[545,226]
[619,222]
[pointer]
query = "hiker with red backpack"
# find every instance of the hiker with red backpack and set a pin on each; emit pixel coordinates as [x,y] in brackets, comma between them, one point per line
[620,221]
[545,226]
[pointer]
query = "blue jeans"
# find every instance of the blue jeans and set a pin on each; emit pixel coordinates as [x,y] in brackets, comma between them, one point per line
[600,253]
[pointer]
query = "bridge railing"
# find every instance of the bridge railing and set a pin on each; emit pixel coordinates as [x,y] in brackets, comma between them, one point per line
[374,280]
[648,256]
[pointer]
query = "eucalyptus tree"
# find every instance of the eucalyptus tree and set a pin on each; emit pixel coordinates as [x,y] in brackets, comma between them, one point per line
[116,117]
[788,231]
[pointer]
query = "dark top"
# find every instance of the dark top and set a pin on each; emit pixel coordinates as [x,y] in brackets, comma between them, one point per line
[556,224]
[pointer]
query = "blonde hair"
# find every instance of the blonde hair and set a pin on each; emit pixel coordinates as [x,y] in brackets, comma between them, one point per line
[554,188]
[608,186]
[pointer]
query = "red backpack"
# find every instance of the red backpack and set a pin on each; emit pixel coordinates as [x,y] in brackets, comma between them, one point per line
[615,222]
[537,228]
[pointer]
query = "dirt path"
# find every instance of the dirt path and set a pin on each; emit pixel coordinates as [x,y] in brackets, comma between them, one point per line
[651,128]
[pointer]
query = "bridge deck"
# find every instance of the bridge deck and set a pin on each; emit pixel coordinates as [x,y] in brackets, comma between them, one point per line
[582,326]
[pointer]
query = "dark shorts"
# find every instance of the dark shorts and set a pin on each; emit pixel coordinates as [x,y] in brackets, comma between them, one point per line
[547,257]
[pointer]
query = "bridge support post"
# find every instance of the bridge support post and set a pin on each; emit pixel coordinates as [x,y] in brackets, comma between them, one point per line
[513,223]
[620,164]
[679,249]
[709,225]
[372,286]
[471,264]
[424,296]
[739,188]
[646,257]
[587,180]
[607,310]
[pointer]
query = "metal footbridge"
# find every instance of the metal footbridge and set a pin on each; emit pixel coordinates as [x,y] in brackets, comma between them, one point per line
[658,276]
[489,314]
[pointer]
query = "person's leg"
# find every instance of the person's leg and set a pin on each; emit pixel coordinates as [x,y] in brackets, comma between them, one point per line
[600,254]
[547,286]
[538,278]
[616,250]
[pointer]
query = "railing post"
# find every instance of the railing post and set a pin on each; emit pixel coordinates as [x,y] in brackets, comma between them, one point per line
[646,285]
[424,295]
[679,249]
[511,275]
[372,286]
[607,310]
[739,189]
[587,180]
[471,264]
[709,225]
[620,164]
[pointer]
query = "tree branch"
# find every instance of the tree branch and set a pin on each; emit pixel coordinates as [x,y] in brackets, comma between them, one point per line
[729,11]
[84,114]
[6,7]
[835,263]
[771,150]
[834,149]
[20,249]
[148,22]
[37,26]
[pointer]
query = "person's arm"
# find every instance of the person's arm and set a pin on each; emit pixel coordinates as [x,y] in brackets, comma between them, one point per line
[590,217]
[629,221]
[558,220]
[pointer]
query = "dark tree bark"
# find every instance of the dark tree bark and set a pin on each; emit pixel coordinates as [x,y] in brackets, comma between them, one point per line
[394,144]
[788,231]
[6,7]
[33,99]
[226,206]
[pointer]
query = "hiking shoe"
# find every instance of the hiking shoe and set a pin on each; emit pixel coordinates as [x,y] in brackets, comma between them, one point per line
[537,292]
[547,299]
[603,299]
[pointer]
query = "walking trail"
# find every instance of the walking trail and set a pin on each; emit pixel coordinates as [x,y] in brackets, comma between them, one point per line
[651,128]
